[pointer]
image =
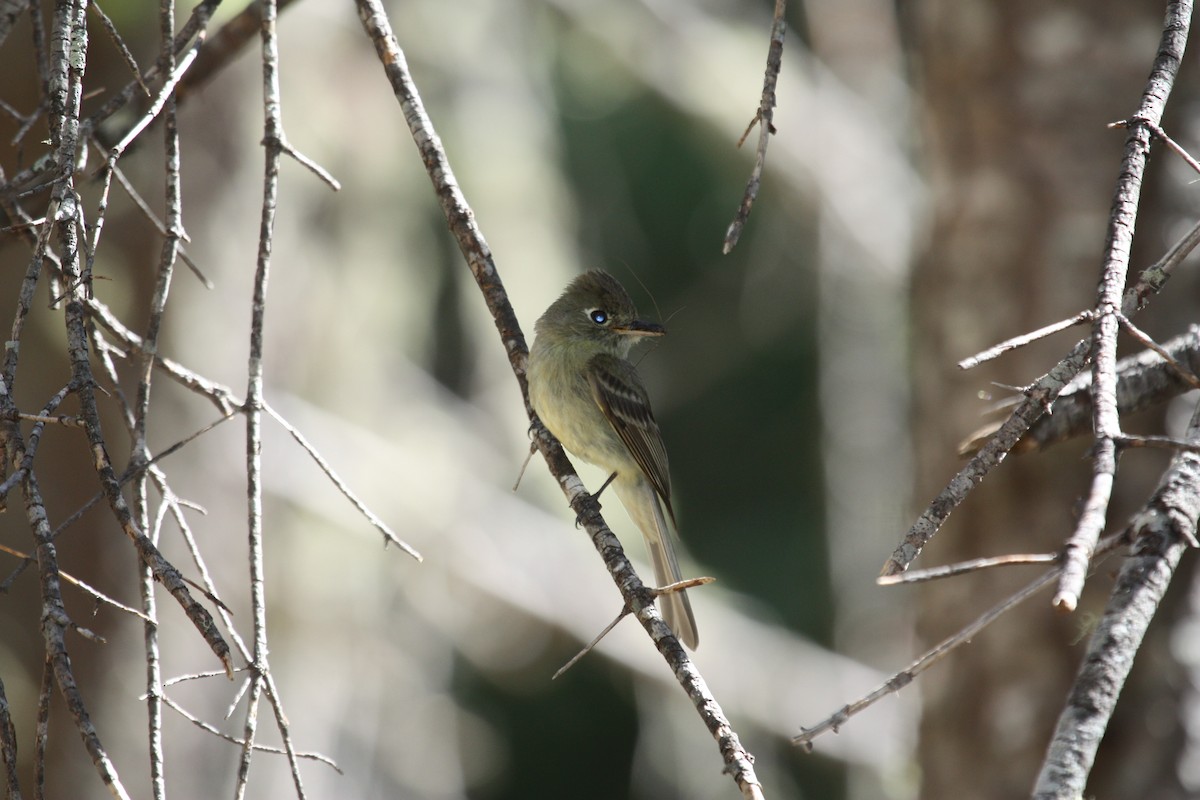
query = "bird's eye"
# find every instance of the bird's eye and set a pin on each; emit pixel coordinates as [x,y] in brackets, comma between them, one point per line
[598,316]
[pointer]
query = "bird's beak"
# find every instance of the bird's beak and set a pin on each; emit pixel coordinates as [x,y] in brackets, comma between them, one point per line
[642,328]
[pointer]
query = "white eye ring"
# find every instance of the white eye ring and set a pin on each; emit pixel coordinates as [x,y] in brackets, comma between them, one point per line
[598,316]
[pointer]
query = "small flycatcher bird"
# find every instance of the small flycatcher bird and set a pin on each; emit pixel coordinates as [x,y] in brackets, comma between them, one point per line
[588,394]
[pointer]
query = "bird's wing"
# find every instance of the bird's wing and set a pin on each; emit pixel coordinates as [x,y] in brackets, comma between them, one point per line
[619,393]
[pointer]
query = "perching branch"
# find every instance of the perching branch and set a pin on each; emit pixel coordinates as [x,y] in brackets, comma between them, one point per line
[479,259]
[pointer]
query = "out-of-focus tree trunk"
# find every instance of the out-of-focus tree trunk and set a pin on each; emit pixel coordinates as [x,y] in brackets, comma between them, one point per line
[1016,98]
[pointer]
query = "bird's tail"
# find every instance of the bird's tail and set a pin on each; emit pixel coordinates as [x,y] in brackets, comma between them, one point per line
[644,507]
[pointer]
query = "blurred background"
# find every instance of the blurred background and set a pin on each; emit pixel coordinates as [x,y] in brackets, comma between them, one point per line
[940,181]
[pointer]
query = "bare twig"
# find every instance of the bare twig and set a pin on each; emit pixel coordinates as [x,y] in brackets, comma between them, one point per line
[964,567]
[1175,147]
[1143,380]
[312,166]
[1153,277]
[261,748]
[225,45]
[85,586]
[1122,220]
[31,446]
[273,141]
[166,269]
[1024,339]
[149,214]
[1186,375]
[963,636]
[928,659]
[738,762]
[524,466]
[117,150]
[389,536]
[1162,531]
[1038,398]
[1157,442]
[122,48]
[764,116]
[590,646]
[626,610]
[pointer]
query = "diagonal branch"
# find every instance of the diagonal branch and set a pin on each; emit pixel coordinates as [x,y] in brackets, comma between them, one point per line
[1162,530]
[1144,380]
[478,255]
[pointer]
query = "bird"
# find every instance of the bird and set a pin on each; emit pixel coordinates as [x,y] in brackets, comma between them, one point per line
[589,395]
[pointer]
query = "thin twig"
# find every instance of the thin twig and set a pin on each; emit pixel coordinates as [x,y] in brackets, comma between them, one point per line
[524,466]
[1122,221]
[1024,339]
[1175,147]
[929,658]
[1154,276]
[117,150]
[54,624]
[67,421]
[964,567]
[84,585]
[1144,380]
[906,676]
[313,167]
[389,536]
[261,748]
[273,141]
[122,48]
[30,446]
[1185,374]
[1036,400]
[1157,442]
[626,610]
[166,269]
[149,214]
[764,116]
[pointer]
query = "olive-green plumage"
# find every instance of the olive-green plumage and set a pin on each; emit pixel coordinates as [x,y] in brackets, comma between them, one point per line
[588,394]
